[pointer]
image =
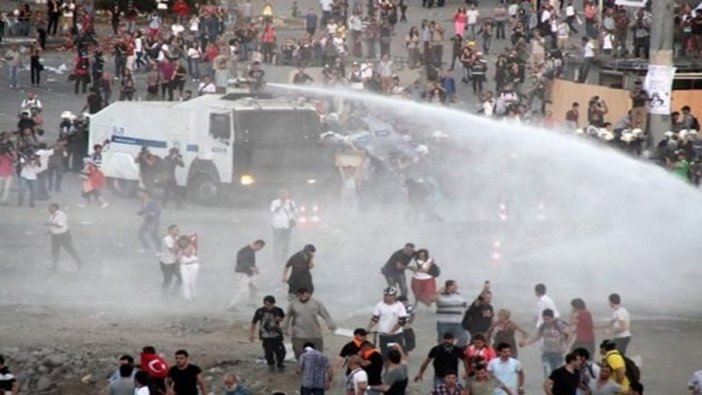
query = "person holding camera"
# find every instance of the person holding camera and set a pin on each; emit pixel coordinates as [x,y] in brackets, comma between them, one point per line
[151,214]
[596,111]
[149,167]
[283,210]
[170,186]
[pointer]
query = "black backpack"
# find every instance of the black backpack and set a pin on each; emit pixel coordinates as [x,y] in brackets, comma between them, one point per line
[633,373]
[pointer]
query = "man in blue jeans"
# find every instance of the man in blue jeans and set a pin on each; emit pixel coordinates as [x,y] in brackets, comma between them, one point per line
[556,337]
[12,58]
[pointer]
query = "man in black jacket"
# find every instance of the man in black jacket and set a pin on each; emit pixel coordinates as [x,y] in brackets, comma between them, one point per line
[244,273]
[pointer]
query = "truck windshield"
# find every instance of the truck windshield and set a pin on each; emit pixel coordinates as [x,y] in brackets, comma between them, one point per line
[278,142]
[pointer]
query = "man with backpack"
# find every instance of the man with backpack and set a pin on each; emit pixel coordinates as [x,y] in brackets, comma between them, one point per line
[556,338]
[624,370]
[589,371]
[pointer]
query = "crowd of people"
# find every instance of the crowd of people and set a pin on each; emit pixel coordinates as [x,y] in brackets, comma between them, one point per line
[468,331]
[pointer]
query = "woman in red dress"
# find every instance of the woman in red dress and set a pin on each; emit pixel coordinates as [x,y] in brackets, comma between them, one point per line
[423,283]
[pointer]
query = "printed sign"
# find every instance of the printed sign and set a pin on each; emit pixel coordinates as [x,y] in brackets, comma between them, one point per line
[659,85]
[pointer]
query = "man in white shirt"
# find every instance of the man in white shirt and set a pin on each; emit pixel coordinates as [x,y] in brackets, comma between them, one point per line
[472,20]
[357,379]
[619,324]
[367,70]
[507,370]
[571,17]
[31,102]
[170,255]
[60,236]
[283,212]
[326,11]
[588,58]
[206,86]
[390,316]
[43,153]
[545,302]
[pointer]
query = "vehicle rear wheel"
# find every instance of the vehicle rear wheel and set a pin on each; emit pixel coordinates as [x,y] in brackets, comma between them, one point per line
[204,190]
[122,188]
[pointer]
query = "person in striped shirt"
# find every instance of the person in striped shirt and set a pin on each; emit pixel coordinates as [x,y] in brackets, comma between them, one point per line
[450,307]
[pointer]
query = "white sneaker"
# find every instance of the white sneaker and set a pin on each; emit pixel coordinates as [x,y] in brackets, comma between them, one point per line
[105,204]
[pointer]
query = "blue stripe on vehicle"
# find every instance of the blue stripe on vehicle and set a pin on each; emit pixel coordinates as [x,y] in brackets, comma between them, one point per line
[139,142]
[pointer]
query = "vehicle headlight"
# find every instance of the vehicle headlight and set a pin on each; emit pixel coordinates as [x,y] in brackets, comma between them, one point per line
[247,179]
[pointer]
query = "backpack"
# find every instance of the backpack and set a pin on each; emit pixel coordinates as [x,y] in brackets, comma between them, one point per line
[695,125]
[632,371]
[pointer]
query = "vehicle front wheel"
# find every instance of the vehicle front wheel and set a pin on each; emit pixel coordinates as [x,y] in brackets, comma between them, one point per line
[204,190]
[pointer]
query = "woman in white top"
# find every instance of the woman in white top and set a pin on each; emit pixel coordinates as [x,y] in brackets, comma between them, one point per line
[189,265]
[68,10]
[30,167]
[423,283]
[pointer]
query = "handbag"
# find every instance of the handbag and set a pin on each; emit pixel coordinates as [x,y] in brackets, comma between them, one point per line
[434,270]
[410,339]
